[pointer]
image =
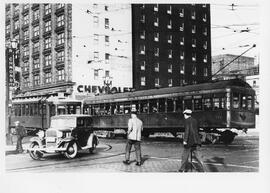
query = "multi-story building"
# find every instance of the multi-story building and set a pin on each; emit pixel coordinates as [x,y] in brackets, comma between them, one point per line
[170,45]
[43,32]
[101,47]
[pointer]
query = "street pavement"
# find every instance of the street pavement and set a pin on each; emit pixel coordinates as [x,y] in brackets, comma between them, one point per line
[158,155]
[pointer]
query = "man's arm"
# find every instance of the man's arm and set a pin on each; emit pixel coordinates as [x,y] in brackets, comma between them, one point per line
[187,130]
[129,126]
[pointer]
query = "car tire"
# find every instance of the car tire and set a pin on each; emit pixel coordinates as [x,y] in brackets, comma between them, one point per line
[94,145]
[35,155]
[72,150]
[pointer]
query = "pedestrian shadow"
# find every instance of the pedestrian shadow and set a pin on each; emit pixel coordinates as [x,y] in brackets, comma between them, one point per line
[213,162]
[10,152]
[144,158]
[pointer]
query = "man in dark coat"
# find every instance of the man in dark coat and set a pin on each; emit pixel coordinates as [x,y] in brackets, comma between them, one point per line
[191,141]
[21,133]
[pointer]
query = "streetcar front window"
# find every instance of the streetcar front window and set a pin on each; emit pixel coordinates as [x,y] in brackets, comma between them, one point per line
[244,102]
[236,101]
[249,102]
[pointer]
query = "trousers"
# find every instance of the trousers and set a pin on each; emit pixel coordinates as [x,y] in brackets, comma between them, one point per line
[197,155]
[19,147]
[137,146]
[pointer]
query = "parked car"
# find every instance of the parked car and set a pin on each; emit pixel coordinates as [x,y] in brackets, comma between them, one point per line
[67,135]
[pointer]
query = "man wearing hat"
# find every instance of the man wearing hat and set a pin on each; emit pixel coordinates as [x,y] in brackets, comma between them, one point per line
[135,127]
[21,133]
[191,141]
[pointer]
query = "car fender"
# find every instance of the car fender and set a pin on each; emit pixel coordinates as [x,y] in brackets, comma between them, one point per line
[90,140]
[36,139]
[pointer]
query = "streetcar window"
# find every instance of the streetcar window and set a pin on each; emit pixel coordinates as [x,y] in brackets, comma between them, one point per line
[23,110]
[219,103]
[144,106]
[18,110]
[188,104]
[26,109]
[107,109]
[135,105]
[153,106]
[35,109]
[31,106]
[207,104]
[243,101]
[95,109]
[80,122]
[179,104]
[70,109]
[170,105]
[52,110]
[78,109]
[87,109]
[249,103]
[127,108]
[161,105]
[236,100]
[197,104]
[102,109]
[114,109]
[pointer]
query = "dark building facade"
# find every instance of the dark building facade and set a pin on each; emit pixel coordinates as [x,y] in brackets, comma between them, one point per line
[170,45]
[43,33]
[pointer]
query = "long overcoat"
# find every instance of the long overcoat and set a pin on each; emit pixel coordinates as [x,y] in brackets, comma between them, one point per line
[191,136]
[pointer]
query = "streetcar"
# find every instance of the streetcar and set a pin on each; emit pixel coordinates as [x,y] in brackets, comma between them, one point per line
[35,113]
[218,106]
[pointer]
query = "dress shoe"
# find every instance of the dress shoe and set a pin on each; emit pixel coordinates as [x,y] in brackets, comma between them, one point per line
[180,170]
[126,162]
[138,164]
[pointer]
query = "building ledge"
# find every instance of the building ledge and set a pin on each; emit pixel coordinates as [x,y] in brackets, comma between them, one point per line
[60,29]
[35,6]
[47,33]
[35,22]
[60,65]
[47,51]
[59,47]
[47,17]
[35,38]
[60,11]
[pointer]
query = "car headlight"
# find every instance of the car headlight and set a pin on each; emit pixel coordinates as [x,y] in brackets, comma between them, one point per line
[41,134]
[59,134]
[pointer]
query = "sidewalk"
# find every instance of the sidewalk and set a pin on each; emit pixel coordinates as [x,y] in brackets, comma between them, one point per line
[11,149]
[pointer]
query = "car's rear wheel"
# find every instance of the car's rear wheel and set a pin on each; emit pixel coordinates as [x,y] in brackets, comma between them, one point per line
[94,146]
[34,153]
[72,150]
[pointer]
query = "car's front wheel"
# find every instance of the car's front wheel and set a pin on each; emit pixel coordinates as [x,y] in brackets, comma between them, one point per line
[34,153]
[72,150]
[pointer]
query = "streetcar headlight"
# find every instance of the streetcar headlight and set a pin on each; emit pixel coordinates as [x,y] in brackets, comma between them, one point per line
[59,134]
[41,134]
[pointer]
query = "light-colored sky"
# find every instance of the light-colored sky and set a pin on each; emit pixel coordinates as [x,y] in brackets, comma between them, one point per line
[236,29]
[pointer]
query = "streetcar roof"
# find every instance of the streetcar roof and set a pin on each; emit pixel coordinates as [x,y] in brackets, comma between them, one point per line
[237,83]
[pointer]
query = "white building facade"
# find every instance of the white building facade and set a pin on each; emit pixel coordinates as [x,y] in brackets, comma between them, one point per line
[102,48]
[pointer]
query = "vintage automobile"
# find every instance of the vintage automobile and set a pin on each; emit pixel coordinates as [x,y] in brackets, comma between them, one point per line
[67,134]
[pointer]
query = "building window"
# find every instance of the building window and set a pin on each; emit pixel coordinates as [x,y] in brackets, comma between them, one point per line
[205,45]
[26,51]
[26,82]
[48,60]
[26,35]
[48,77]
[194,70]
[142,64]
[142,34]
[36,31]
[204,5]
[107,26]
[170,82]
[193,43]
[36,47]
[61,75]
[48,26]
[170,68]
[25,67]
[181,12]
[204,17]
[36,63]
[205,31]
[193,29]
[193,57]
[142,49]
[60,21]
[16,9]
[156,82]
[96,39]
[60,5]
[182,69]
[36,15]
[205,72]
[169,10]
[205,58]
[8,29]
[26,19]
[156,51]
[156,7]
[16,25]
[107,40]
[106,8]
[156,67]
[107,73]
[182,55]
[107,58]
[143,81]
[142,19]
[156,36]
[169,53]
[36,80]
[96,56]
[156,21]
[169,26]
[48,43]
[47,9]
[193,15]
[96,74]
[60,39]
[181,28]
[169,39]
[96,20]
[60,56]
[182,41]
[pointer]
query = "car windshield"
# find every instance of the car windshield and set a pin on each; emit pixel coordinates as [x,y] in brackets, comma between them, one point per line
[62,122]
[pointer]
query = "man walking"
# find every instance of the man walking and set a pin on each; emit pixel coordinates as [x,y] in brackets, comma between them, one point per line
[21,133]
[135,127]
[191,141]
